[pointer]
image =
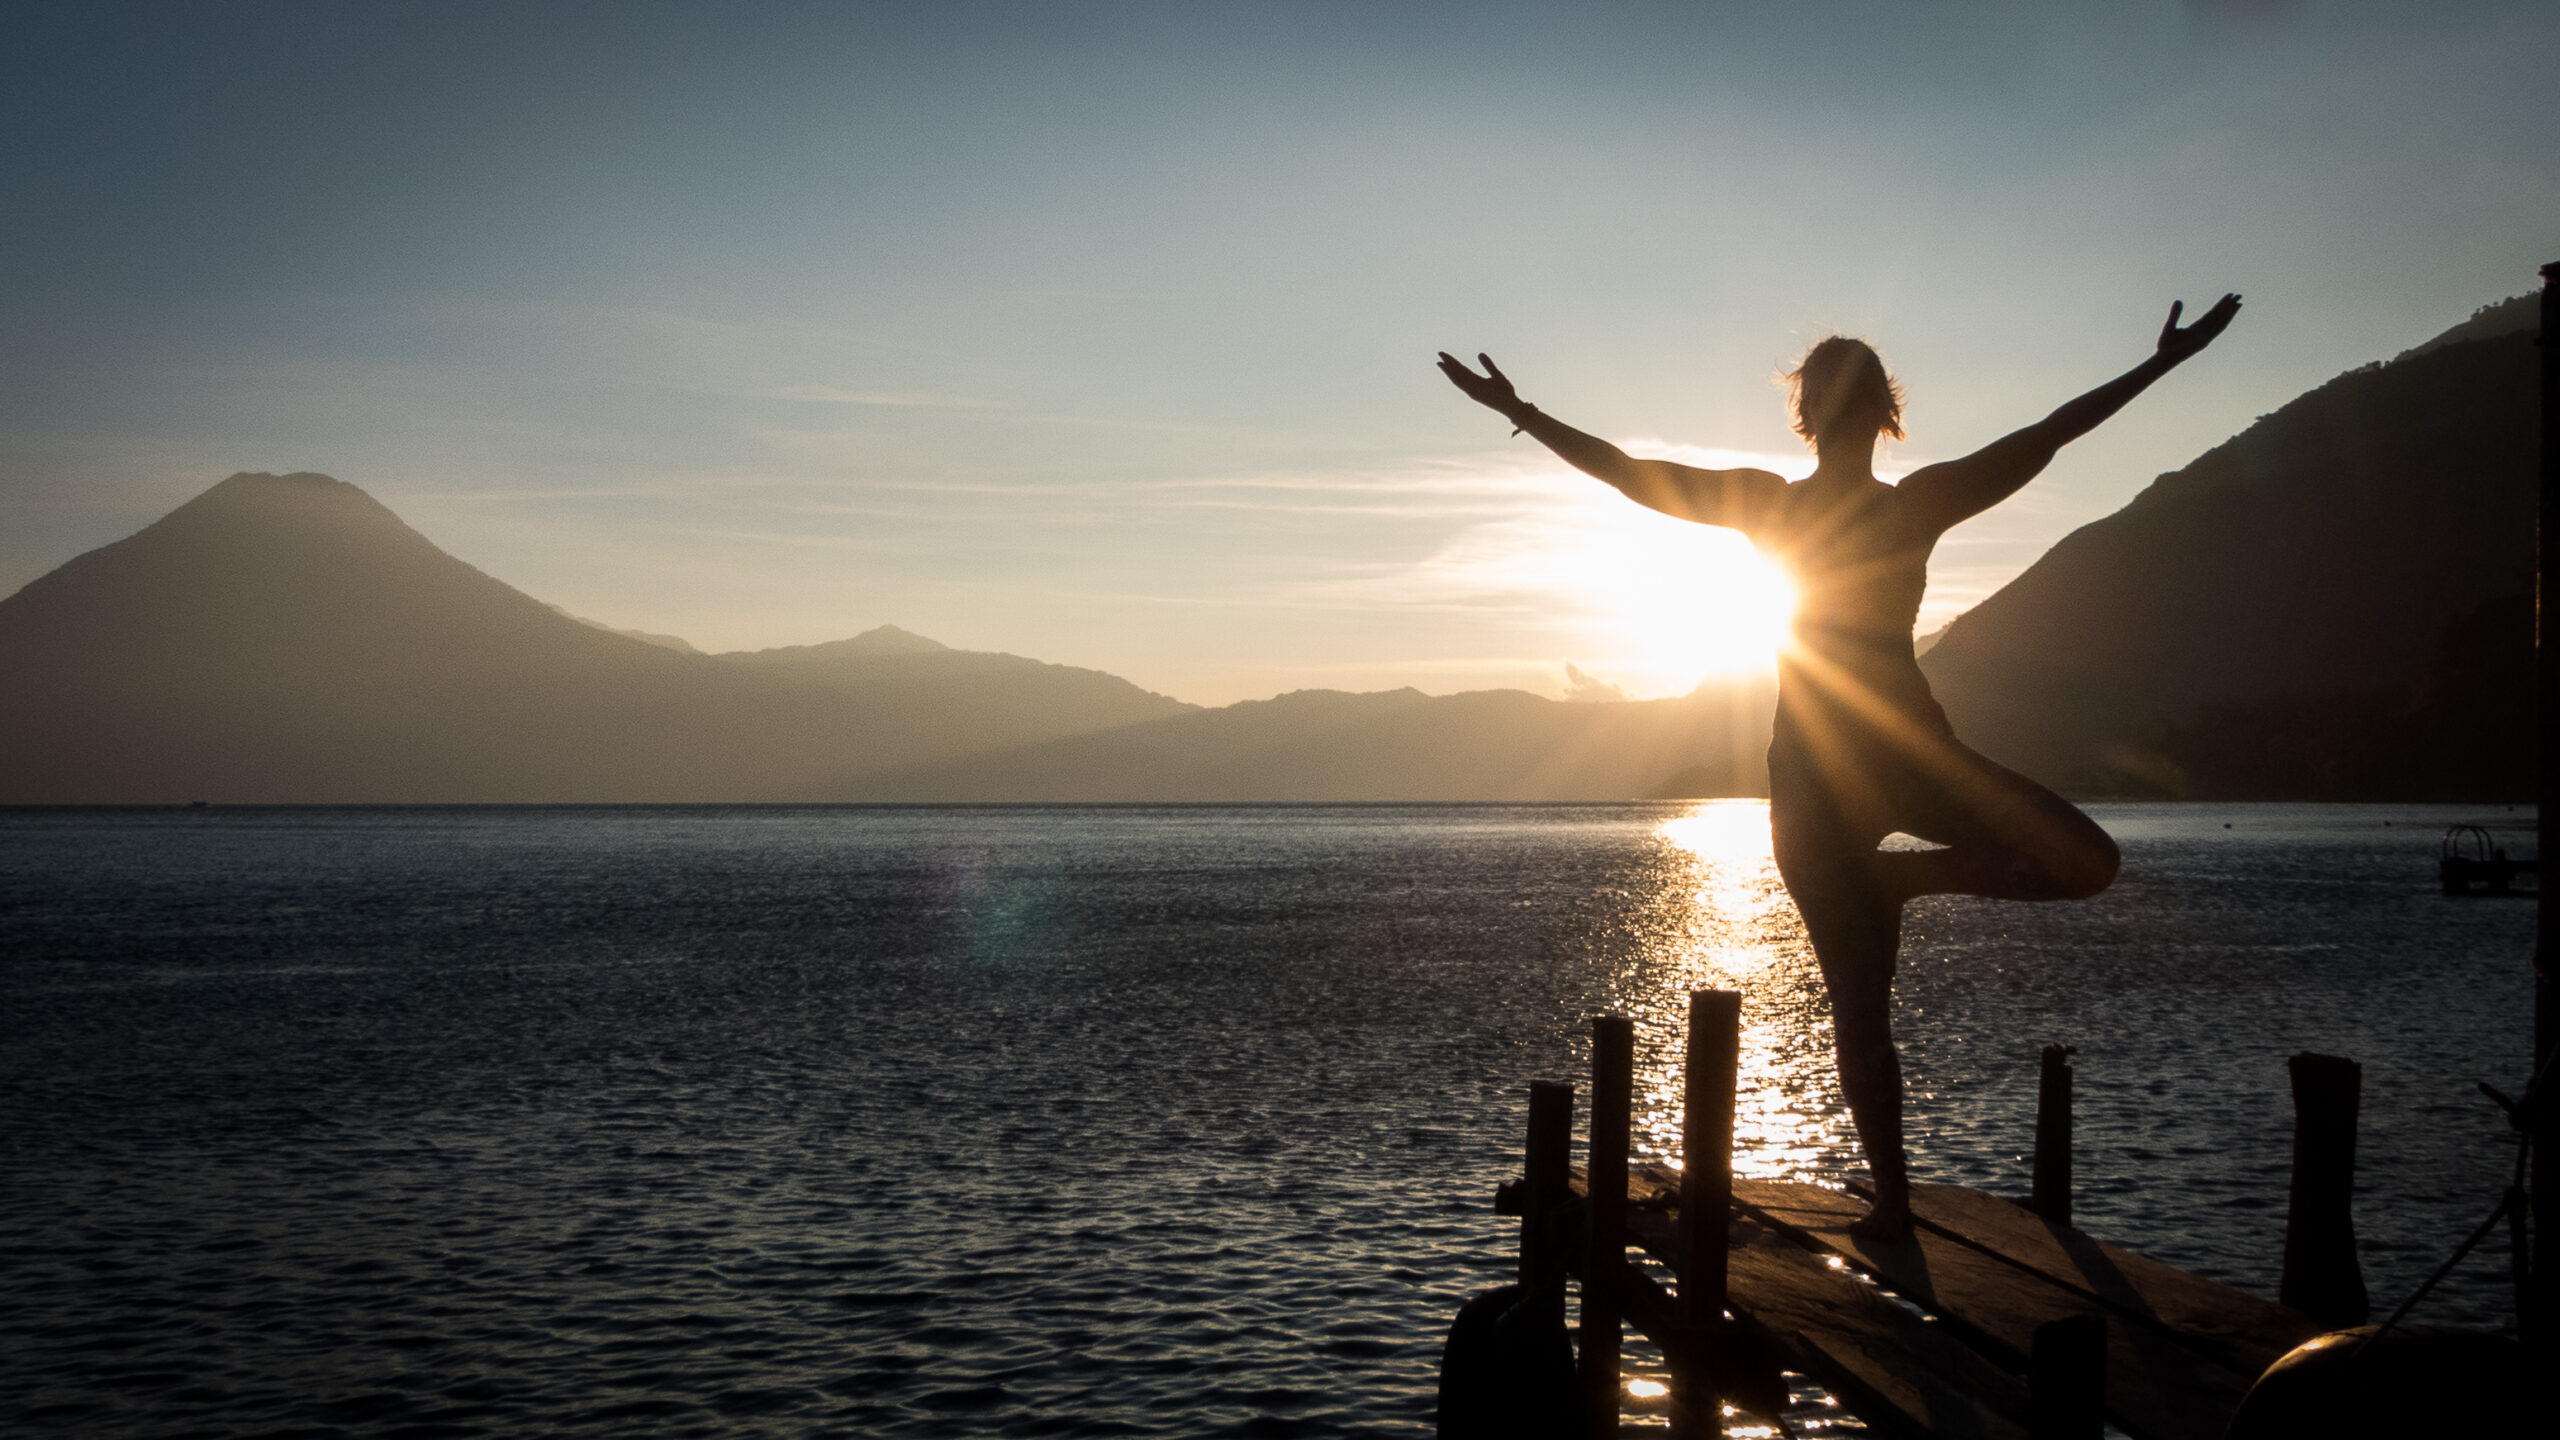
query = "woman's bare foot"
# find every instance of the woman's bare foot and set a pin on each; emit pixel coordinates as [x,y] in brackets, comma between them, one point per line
[1883,1221]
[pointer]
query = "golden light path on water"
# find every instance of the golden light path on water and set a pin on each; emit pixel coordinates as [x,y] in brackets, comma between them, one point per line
[1737,930]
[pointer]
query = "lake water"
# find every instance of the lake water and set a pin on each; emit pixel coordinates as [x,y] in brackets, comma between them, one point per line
[1180,1121]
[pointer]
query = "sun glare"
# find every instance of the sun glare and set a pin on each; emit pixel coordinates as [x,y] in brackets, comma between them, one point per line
[1684,603]
[1641,603]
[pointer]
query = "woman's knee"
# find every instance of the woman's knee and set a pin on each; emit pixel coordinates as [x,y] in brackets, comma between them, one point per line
[2089,864]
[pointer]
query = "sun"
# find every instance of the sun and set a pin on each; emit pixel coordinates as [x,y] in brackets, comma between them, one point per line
[1577,575]
[1682,603]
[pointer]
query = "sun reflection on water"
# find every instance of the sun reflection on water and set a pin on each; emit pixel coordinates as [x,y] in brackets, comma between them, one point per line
[1732,927]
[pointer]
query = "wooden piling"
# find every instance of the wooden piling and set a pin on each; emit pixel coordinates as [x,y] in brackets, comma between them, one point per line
[2067,1377]
[1613,1056]
[2050,1196]
[1706,1191]
[1547,1185]
[2538,1309]
[2322,1277]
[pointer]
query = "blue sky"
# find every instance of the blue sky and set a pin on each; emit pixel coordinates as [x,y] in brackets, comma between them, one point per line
[1102,333]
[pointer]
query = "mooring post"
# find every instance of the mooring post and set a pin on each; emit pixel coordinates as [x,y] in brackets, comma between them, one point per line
[2538,1313]
[1706,1192]
[2322,1278]
[2067,1379]
[2051,1195]
[1547,1182]
[1613,1079]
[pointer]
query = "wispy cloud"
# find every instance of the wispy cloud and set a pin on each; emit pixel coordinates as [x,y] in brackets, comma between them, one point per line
[901,399]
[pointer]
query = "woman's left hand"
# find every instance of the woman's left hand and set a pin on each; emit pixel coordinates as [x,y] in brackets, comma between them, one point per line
[1492,389]
[2177,344]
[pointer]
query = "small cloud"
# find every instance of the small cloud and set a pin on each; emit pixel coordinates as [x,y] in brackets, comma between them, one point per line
[912,399]
[1581,687]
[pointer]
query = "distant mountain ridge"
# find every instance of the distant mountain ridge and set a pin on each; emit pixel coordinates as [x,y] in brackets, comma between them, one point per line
[877,641]
[2319,555]
[287,639]
[677,643]
[1389,745]
[923,701]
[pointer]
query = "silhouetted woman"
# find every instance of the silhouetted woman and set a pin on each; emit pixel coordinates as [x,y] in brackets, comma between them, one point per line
[1860,749]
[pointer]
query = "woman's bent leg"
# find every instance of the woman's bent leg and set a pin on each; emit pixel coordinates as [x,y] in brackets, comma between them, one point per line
[2007,837]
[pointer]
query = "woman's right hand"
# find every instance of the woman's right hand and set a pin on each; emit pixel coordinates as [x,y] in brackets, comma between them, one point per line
[1492,389]
[2177,344]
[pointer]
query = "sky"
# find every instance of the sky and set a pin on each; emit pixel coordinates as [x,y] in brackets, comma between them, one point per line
[1103,333]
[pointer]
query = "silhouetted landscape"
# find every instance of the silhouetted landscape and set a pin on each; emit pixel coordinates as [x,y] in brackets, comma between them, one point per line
[2328,606]
[1400,744]
[286,638]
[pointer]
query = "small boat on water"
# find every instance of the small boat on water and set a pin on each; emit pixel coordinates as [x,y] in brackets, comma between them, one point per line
[2472,862]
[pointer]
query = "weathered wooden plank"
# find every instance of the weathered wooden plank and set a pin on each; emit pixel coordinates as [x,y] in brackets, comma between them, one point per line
[1900,1372]
[1741,1368]
[2232,1327]
[2156,1388]
[2181,1349]
[1897,1370]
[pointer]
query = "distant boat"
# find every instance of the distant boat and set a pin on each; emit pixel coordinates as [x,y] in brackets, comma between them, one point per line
[2473,863]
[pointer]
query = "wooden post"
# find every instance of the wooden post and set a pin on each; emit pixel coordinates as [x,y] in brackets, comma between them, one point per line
[1706,1192]
[1547,1184]
[2051,1195]
[2539,1312]
[2067,1379]
[2322,1278]
[1613,1066]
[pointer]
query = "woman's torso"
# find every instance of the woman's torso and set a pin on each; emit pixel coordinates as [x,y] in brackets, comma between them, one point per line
[1859,557]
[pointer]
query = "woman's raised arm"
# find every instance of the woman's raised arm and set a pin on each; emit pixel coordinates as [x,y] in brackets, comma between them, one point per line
[1736,498]
[1958,490]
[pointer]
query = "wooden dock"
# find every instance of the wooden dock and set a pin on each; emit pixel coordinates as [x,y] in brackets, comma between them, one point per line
[1938,1336]
[1992,1320]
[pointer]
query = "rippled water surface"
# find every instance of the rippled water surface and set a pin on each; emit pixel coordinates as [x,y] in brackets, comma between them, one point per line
[1107,1121]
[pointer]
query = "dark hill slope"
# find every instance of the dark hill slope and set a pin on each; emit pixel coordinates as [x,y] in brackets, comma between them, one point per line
[1318,745]
[2322,551]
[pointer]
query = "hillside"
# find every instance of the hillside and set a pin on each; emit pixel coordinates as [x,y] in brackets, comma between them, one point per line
[918,700]
[2314,560]
[1392,745]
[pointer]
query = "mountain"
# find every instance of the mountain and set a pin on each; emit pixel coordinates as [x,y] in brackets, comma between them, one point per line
[285,638]
[919,700]
[877,641]
[2309,564]
[1316,745]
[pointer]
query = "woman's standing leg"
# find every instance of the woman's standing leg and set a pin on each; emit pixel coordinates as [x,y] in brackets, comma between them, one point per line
[1855,925]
